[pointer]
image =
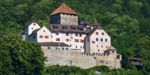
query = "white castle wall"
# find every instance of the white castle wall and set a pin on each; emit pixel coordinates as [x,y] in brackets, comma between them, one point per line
[79,59]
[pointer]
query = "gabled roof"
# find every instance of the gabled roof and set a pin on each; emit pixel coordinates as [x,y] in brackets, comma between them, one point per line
[110,48]
[53,44]
[35,31]
[29,23]
[64,9]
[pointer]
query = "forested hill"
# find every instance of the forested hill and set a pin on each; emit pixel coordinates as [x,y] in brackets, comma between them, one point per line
[127,21]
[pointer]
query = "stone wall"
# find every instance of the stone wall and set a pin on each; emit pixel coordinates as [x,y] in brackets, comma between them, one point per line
[79,59]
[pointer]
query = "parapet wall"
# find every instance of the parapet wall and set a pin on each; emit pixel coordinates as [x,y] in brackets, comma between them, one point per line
[83,60]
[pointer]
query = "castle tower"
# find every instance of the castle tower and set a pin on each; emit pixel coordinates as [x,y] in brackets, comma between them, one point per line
[64,15]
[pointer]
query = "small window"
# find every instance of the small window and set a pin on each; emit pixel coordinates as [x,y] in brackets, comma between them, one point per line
[101,40]
[57,33]
[80,35]
[40,36]
[96,33]
[102,46]
[66,48]
[67,34]
[80,46]
[102,33]
[81,41]
[34,24]
[70,45]
[97,45]
[98,50]
[62,48]
[56,48]
[105,40]
[32,28]
[76,34]
[106,46]
[112,51]
[57,39]
[48,47]
[76,46]
[96,39]
[67,39]
[43,30]
[88,40]
[46,37]
[76,40]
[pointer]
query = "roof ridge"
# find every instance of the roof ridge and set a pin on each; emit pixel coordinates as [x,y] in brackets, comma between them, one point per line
[64,9]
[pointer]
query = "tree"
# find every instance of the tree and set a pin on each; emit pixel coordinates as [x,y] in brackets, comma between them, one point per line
[24,58]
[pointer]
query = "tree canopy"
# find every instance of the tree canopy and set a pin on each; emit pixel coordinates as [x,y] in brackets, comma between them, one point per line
[19,57]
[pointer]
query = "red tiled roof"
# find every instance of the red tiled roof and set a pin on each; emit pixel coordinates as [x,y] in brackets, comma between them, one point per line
[64,9]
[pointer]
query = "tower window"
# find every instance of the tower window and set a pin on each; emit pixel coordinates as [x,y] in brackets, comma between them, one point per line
[105,40]
[101,40]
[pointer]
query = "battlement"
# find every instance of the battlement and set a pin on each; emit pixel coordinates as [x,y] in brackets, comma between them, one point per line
[67,57]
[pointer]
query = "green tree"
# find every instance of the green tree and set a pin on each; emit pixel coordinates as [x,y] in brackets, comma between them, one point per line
[24,58]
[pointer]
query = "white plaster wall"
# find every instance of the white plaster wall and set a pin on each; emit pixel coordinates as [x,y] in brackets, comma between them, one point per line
[54,36]
[44,32]
[101,46]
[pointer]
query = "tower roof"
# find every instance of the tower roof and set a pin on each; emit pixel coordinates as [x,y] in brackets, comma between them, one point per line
[64,9]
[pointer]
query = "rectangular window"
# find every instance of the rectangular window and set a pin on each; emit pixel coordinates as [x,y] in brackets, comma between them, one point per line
[57,33]
[88,40]
[46,37]
[62,48]
[76,34]
[96,33]
[105,40]
[80,35]
[81,41]
[67,39]
[48,47]
[40,36]
[66,48]
[76,40]
[57,39]
[101,40]
[102,33]
[67,34]
[96,39]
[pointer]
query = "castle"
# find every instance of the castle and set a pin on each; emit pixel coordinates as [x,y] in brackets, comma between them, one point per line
[69,42]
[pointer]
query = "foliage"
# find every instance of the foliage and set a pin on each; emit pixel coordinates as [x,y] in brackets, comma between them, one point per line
[127,21]
[20,57]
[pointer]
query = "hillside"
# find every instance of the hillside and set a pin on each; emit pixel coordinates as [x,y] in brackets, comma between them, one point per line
[127,21]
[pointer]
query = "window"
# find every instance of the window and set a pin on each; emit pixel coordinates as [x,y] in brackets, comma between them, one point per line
[105,40]
[67,39]
[34,24]
[67,34]
[76,46]
[98,50]
[33,37]
[57,33]
[43,30]
[88,40]
[66,48]
[80,46]
[56,48]
[106,46]
[57,39]
[81,41]
[62,48]
[46,37]
[32,28]
[97,45]
[101,40]
[76,40]
[102,33]
[96,33]
[102,46]
[70,45]
[80,35]
[40,36]
[48,47]
[76,34]
[96,39]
